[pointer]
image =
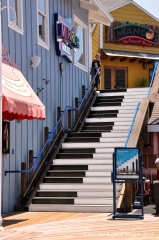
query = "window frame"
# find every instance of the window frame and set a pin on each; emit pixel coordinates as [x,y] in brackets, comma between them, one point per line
[19,15]
[46,43]
[86,47]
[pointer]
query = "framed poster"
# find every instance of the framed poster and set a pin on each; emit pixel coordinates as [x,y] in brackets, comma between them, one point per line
[127,164]
[5,137]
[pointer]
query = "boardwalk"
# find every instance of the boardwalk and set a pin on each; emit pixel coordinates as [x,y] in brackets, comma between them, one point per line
[77,226]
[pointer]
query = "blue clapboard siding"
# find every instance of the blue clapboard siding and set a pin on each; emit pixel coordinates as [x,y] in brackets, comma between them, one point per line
[60,91]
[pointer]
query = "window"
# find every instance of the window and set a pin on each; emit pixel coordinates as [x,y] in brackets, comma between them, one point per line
[115,77]
[43,23]
[81,53]
[17,5]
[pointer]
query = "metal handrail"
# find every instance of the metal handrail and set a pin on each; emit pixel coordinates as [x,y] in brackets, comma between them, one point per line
[152,78]
[54,129]
[131,126]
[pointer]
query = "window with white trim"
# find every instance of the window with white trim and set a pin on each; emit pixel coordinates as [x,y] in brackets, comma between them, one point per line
[43,23]
[18,18]
[81,53]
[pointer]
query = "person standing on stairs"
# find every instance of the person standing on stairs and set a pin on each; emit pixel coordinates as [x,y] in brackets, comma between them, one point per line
[95,66]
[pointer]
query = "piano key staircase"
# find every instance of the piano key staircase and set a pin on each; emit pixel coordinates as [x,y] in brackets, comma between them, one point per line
[79,179]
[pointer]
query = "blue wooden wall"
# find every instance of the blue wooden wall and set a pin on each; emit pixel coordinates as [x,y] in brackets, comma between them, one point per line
[61,91]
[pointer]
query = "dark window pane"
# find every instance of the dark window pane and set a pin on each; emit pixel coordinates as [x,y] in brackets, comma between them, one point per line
[41,27]
[107,78]
[120,78]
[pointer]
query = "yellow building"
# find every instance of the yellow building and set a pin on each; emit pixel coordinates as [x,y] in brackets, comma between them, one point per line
[128,48]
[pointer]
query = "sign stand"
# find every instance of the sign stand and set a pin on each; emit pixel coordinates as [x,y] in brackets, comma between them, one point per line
[126,158]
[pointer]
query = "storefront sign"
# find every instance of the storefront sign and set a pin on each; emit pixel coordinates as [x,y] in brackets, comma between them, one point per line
[136,34]
[66,38]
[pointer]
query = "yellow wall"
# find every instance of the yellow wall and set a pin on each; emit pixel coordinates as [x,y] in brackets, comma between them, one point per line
[131,14]
[95,41]
[135,71]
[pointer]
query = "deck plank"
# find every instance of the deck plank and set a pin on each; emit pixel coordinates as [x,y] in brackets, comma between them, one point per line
[77,226]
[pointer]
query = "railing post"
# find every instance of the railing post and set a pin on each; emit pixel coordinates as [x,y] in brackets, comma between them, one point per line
[58,117]
[69,119]
[31,174]
[46,135]
[23,179]
[76,106]
[83,94]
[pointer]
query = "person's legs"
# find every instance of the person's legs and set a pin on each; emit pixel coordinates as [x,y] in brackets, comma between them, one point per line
[97,81]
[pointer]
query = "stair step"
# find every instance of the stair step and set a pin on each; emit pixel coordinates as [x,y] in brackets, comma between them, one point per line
[65,156]
[112,134]
[81,161]
[82,134]
[70,208]
[83,139]
[93,194]
[76,201]
[107,100]
[144,89]
[103,121]
[107,104]
[106,112]
[62,180]
[49,200]
[78,173]
[79,186]
[93,122]
[66,174]
[96,128]
[56,194]
[104,150]
[122,128]
[110,97]
[77,150]
[91,167]
[102,115]
[113,90]
[74,155]
[96,145]
[86,180]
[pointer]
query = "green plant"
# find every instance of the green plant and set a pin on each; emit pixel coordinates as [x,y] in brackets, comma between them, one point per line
[143,82]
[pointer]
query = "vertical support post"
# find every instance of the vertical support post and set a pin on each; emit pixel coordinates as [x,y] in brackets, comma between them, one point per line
[83,94]
[58,117]
[76,106]
[46,135]
[114,188]
[31,174]
[128,197]
[69,119]
[23,179]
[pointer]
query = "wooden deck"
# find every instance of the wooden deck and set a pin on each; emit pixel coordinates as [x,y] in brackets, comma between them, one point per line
[77,226]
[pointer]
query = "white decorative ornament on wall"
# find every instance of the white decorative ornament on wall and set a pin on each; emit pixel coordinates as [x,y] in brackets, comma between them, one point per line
[35,61]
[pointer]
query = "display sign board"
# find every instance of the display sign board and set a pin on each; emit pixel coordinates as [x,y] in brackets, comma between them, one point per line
[66,39]
[134,34]
[127,164]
